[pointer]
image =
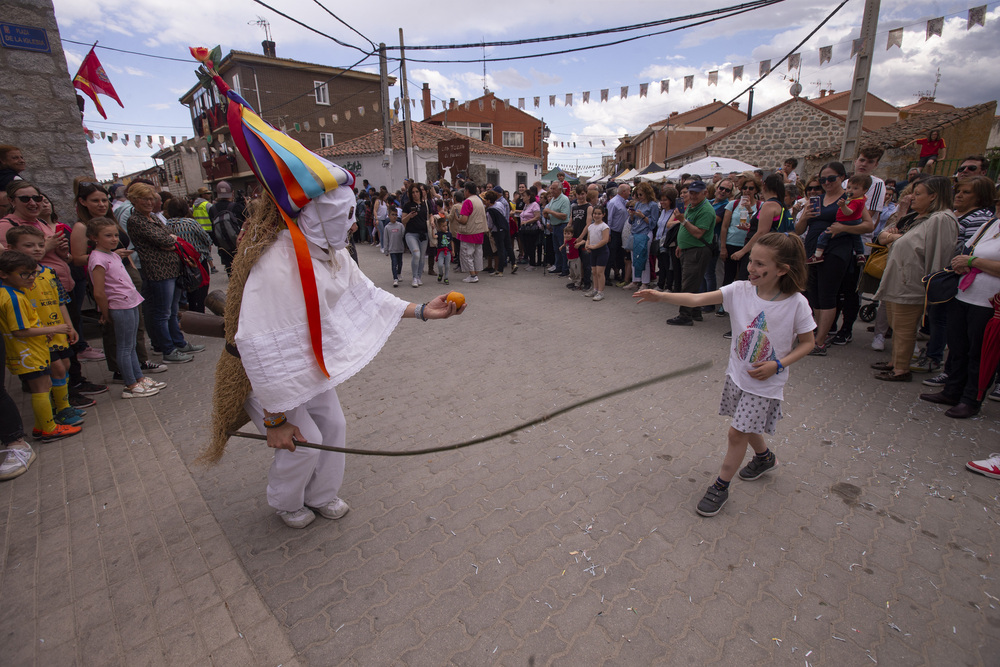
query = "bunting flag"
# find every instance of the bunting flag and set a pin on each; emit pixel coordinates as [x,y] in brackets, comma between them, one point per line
[537,101]
[305,126]
[934,27]
[794,61]
[347,115]
[895,39]
[738,73]
[602,142]
[298,127]
[125,139]
[552,100]
[361,111]
[467,106]
[977,16]
[375,106]
[161,140]
[569,99]
[604,94]
[765,67]
[689,82]
[506,103]
[856,46]
[624,92]
[520,103]
[93,81]
[138,141]
[335,118]
[643,89]
[413,103]
[434,104]
[105,136]
[322,121]
[664,86]
[480,105]
[586,97]
[591,143]
[493,104]
[825,54]
[713,78]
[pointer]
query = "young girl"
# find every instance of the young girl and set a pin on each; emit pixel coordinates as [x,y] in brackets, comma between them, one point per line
[598,234]
[118,301]
[443,257]
[775,329]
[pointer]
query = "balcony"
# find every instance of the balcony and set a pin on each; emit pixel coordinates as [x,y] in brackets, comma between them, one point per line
[219,167]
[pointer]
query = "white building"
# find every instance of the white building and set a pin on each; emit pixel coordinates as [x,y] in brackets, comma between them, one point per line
[364,156]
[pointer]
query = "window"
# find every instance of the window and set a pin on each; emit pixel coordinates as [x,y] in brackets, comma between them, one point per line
[236,85]
[481,131]
[325,139]
[322,93]
[513,139]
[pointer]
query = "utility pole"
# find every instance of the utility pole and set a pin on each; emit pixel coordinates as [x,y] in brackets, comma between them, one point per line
[859,88]
[407,128]
[383,72]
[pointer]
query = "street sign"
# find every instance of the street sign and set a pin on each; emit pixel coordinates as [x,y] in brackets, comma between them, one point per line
[26,38]
[454,153]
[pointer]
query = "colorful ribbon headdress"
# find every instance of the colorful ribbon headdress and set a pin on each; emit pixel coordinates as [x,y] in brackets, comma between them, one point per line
[292,175]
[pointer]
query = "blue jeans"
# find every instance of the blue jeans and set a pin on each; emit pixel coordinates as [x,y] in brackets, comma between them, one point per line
[562,266]
[396,262]
[418,250]
[126,322]
[162,303]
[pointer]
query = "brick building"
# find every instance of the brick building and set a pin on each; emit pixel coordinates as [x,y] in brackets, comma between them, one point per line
[303,99]
[494,121]
[182,165]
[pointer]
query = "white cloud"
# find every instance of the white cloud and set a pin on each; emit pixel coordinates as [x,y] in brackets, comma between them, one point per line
[545,79]
[512,78]
[135,71]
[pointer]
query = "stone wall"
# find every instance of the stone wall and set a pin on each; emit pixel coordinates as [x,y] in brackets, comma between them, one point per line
[794,130]
[40,114]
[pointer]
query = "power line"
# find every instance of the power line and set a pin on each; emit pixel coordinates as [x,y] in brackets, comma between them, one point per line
[755,4]
[374,47]
[134,53]
[111,122]
[309,27]
[712,19]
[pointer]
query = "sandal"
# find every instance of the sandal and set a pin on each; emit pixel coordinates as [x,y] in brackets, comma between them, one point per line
[882,366]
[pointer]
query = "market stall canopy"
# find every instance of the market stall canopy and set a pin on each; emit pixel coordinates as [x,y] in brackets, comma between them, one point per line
[707,166]
[552,175]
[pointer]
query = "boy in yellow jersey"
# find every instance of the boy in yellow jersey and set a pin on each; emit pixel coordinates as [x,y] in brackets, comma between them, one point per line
[49,300]
[27,341]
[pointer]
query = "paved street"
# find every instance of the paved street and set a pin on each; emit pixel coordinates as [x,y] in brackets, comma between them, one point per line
[572,543]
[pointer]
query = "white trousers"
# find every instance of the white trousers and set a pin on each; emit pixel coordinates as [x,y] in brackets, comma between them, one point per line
[471,256]
[306,476]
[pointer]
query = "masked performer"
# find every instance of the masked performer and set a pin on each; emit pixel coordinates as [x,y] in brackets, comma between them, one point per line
[301,318]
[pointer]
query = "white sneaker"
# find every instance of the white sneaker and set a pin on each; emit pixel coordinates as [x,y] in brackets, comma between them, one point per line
[599,296]
[989,467]
[139,391]
[878,342]
[16,461]
[590,292]
[334,510]
[470,279]
[416,283]
[300,518]
[152,384]
[420,282]
[395,283]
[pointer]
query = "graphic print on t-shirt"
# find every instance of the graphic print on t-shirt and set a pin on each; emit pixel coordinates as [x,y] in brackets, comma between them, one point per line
[753,344]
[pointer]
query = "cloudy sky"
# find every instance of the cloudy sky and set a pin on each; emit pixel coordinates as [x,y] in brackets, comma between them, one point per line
[150,87]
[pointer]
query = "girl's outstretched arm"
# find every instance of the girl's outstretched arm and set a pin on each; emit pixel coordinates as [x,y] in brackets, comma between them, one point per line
[686,299]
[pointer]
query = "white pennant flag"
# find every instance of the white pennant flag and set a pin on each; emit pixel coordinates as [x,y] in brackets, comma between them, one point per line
[688,82]
[794,61]
[713,78]
[934,27]
[322,121]
[569,99]
[895,39]
[361,111]
[977,16]
[738,72]
[586,97]
[765,67]
[643,89]
[335,118]
[624,92]
[520,103]
[664,86]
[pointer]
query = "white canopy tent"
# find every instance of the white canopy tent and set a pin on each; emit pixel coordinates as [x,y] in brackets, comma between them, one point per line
[630,174]
[706,167]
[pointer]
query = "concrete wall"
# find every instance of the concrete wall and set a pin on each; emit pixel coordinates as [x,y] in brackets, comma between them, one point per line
[40,114]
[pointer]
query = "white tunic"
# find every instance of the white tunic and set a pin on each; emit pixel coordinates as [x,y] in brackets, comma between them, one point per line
[273,334]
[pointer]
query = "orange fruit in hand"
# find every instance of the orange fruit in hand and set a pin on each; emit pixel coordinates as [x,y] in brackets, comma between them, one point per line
[456,298]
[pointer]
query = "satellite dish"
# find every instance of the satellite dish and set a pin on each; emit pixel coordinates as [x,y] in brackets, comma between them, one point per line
[796,89]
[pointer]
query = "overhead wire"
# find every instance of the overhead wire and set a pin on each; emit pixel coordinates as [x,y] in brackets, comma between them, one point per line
[133,53]
[309,27]
[352,28]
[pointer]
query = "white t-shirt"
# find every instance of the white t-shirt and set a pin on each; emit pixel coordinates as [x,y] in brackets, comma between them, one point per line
[762,331]
[595,232]
[983,286]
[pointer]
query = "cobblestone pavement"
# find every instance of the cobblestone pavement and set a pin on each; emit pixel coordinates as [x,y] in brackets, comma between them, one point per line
[574,542]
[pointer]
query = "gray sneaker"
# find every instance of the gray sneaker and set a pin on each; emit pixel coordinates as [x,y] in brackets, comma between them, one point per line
[191,348]
[334,510]
[590,292]
[16,461]
[300,518]
[177,357]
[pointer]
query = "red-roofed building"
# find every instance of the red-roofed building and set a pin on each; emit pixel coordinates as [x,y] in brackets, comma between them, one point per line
[878,112]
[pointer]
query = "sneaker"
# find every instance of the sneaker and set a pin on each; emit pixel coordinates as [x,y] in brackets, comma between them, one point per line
[152,384]
[513,269]
[81,401]
[191,348]
[440,277]
[16,461]
[938,380]
[497,274]
[633,286]
[713,501]
[68,417]
[553,269]
[300,518]
[334,510]
[89,388]
[395,283]
[177,357]
[925,365]
[446,281]
[818,351]
[756,467]
[681,321]
[599,296]
[60,431]
[842,338]
[990,467]
[721,312]
[470,279]
[415,283]
[571,286]
[878,342]
[116,378]
[152,367]
[420,283]
[590,292]
[90,354]
[728,335]
[139,391]
[995,394]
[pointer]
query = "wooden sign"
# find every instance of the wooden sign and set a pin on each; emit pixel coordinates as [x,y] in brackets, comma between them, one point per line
[454,153]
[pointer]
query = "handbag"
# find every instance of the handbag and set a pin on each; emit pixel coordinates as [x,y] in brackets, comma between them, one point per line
[940,286]
[875,264]
[627,236]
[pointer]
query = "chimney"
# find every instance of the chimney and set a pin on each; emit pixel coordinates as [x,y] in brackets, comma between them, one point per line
[822,92]
[426,91]
[268,48]
[452,103]
[673,113]
[736,105]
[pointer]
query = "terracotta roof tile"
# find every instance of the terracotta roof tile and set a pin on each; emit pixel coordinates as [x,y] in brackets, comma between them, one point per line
[425,137]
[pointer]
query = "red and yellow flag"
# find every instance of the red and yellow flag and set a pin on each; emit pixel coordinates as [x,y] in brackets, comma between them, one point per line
[92,80]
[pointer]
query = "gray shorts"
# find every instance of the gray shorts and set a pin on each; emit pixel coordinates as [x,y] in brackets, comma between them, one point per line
[750,413]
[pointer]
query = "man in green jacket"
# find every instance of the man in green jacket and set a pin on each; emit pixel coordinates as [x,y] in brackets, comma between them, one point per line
[694,247]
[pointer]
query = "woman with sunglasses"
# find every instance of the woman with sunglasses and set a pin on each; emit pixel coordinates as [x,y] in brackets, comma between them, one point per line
[735,224]
[27,203]
[825,278]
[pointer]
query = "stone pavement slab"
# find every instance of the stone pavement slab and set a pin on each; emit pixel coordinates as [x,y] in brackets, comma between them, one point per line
[572,542]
